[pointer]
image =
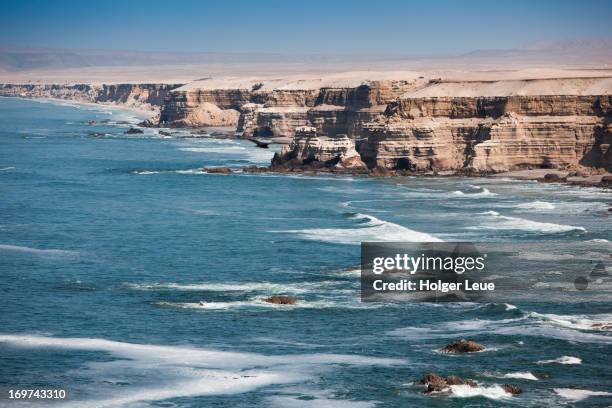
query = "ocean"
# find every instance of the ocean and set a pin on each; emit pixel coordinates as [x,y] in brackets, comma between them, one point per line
[130,277]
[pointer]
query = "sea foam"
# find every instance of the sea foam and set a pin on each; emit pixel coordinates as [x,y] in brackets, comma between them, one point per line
[494,392]
[579,395]
[158,372]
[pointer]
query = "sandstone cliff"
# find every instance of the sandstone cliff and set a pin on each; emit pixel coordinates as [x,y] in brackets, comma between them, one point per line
[335,104]
[487,126]
[391,120]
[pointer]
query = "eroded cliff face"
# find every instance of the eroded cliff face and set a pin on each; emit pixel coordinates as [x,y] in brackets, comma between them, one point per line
[507,128]
[491,134]
[143,96]
[278,107]
[397,120]
[316,152]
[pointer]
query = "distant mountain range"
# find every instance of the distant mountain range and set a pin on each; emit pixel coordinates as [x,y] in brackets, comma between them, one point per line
[575,51]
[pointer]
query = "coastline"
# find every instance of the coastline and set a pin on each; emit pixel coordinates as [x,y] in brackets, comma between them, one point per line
[144,113]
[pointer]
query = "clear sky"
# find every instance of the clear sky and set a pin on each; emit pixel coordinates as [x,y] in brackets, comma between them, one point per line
[314,26]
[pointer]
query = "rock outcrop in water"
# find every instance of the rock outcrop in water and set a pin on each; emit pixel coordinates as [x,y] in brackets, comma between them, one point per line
[281,300]
[437,383]
[307,150]
[462,346]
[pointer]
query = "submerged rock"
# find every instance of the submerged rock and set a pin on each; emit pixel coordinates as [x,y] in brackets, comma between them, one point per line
[281,300]
[133,131]
[255,169]
[462,346]
[218,170]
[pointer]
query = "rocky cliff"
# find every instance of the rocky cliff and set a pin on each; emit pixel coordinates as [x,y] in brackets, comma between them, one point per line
[337,104]
[144,96]
[483,127]
[392,120]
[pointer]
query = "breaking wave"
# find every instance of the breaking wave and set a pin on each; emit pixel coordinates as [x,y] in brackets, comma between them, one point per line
[497,221]
[579,395]
[236,286]
[370,228]
[494,392]
[259,302]
[601,322]
[536,205]
[523,375]
[566,360]
[481,192]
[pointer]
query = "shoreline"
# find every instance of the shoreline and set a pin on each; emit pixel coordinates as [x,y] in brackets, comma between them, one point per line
[140,113]
[534,175]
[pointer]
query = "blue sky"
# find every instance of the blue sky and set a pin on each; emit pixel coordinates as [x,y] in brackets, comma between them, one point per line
[338,27]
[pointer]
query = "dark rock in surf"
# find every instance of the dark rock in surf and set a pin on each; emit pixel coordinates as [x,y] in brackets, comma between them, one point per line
[553,178]
[281,300]
[434,383]
[218,170]
[133,131]
[454,380]
[512,389]
[437,383]
[462,346]
[255,169]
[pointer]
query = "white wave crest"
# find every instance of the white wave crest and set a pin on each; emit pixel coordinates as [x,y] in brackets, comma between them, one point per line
[566,360]
[145,172]
[158,372]
[222,150]
[37,251]
[536,205]
[524,375]
[579,395]
[373,229]
[599,322]
[259,302]
[494,392]
[496,221]
[484,192]
[236,286]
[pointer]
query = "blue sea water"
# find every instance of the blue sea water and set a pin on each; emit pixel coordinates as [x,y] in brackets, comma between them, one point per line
[108,244]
